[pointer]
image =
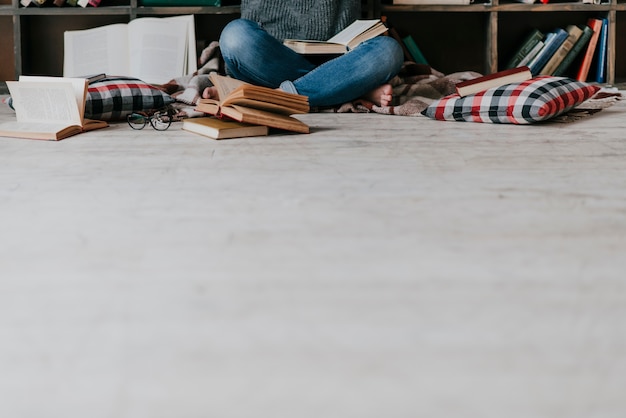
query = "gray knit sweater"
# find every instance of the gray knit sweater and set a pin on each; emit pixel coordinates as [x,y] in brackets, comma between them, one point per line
[302,19]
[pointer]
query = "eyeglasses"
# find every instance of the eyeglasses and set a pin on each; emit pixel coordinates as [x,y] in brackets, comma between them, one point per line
[160,120]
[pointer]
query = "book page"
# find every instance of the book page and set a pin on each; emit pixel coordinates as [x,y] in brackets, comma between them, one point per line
[98,50]
[352,31]
[79,85]
[160,48]
[224,85]
[41,102]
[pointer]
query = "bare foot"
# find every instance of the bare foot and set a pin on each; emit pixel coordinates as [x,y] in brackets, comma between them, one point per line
[381,96]
[209,93]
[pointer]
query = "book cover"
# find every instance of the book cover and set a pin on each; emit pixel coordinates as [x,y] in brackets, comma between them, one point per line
[255,105]
[215,128]
[414,50]
[92,3]
[49,108]
[549,48]
[602,46]
[561,70]
[357,32]
[500,78]
[527,45]
[531,55]
[583,70]
[574,32]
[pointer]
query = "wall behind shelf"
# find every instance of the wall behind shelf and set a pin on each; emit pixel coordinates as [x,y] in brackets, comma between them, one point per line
[446,50]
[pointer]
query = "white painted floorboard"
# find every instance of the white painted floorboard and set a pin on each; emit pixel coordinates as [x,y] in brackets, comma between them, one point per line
[381,266]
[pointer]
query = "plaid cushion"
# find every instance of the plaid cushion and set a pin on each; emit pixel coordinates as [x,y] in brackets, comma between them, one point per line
[113,98]
[530,101]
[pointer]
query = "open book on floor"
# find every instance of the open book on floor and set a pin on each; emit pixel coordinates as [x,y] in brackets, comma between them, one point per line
[255,105]
[152,49]
[359,31]
[50,108]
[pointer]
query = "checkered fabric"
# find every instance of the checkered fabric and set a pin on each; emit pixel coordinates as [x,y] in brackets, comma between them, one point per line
[113,98]
[531,101]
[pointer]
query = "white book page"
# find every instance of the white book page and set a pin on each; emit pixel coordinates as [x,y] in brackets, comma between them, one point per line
[41,102]
[98,50]
[352,31]
[159,48]
[79,85]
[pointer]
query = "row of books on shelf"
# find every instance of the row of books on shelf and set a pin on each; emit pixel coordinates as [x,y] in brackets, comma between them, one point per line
[96,3]
[467,2]
[571,51]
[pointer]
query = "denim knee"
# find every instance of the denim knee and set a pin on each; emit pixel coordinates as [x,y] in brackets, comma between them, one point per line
[393,57]
[235,36]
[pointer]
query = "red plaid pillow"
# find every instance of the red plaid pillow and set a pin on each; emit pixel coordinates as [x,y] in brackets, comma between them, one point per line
[113,98]
[535,100]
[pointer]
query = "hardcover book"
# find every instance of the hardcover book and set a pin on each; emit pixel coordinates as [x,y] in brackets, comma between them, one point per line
[562,69]
[552,43]
[500,78]
[152,49]
[602,45]
[583,70]
[50,108]
[223,129]
[359,31]
[526,47]
[574,32]
[255,105]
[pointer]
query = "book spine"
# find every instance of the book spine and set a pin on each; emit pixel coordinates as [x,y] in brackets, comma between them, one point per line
[602,46]
[418,57]
[531,55]
[583,70]
[574,33]
[574,52]
[527,46]
[548,50]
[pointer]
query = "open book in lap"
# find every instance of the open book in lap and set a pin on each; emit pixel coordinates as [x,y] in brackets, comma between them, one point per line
[356,33]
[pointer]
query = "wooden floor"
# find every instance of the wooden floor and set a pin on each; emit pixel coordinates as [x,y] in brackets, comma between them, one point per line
[379,267]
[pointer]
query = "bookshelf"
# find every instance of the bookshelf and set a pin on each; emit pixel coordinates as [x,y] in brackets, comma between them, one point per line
[482,36]
[478,37]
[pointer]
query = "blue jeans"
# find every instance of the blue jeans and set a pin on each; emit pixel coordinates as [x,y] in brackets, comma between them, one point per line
[253,55]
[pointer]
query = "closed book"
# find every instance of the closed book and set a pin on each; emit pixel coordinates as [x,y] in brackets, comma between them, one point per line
[531,55]
[583,70]
[574,33]
[561,70]
[92,3]
[527,45]
[416,53]
[223,129]
[602,46]
[548,50]
[500,78]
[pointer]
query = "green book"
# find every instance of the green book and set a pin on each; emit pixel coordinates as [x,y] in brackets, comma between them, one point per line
[529,43]
[410,44]
[573,53]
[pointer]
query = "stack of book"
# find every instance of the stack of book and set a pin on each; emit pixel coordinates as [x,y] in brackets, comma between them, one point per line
[244,109]
[562,52]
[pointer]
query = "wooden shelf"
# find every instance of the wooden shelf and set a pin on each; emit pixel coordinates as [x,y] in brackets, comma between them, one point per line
[458,37]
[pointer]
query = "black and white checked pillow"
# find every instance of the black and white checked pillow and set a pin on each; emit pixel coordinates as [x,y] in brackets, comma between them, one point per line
[534,100]
[113,98]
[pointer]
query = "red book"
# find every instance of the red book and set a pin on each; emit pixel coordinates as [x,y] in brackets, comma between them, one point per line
[583,70]
[512,75]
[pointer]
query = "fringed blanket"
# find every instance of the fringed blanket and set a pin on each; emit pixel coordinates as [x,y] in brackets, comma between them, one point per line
[415,87]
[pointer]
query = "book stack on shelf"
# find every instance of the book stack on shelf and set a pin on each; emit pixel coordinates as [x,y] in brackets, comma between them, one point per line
[569,51]
[61,3]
